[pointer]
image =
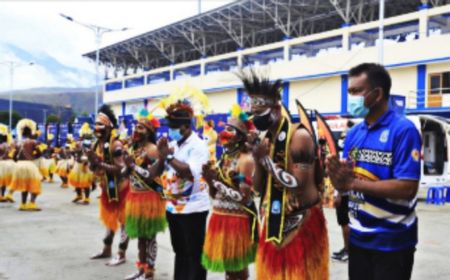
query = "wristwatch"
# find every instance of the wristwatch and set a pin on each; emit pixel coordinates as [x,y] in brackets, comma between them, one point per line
[170,157]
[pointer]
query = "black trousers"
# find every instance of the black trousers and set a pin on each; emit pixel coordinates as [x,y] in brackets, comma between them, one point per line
[342,212]
[187,234]
[367,264]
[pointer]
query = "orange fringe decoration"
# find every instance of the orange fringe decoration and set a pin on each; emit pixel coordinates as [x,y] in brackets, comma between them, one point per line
[306,256]
[228,243]
[6,172]
[26,177]
[80,176]
[113,213]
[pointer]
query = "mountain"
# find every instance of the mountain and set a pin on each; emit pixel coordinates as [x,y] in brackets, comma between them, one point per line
[47,71]
[80,99]
[49,81]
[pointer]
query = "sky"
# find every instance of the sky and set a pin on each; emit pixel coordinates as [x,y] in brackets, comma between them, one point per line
[37,28]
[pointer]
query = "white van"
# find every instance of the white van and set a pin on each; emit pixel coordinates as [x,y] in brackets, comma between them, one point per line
[435,132]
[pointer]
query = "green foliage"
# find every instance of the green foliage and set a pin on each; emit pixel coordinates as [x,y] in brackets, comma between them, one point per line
[53,119]
[4,117]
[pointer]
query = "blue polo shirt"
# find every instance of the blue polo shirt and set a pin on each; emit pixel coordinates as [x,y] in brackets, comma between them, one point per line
[388,149]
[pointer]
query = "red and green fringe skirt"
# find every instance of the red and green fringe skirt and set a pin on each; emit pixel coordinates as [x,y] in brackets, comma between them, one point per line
[305,257]
[145,214]
[228,243]
[112,213]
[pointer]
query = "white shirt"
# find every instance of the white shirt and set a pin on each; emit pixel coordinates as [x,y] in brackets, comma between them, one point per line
[187,196]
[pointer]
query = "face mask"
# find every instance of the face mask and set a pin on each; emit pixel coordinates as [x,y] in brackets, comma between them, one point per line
[174,134]
[263,122]
[356,106]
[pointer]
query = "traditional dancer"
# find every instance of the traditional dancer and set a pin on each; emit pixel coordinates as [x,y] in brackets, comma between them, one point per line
[106,160]
[63,165]
[80,176]
[26,177]
[210,137]
[145,206]
[231,238]
[6,165]
[49,158]
[294,241]
[10,157]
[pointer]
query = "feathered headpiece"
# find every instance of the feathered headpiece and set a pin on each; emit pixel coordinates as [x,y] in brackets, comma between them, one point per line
[255,84]
[106,116]
[85,130]
[240,119]
[25,123]
[185,103]
[148,120]
[4,131]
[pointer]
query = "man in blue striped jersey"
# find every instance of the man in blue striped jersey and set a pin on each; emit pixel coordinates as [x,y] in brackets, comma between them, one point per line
[381,170]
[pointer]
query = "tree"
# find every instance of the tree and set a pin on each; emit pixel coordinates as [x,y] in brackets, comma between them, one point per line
[4,118]
[53,119]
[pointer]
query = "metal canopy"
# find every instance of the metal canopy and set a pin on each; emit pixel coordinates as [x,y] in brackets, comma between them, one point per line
[243,24]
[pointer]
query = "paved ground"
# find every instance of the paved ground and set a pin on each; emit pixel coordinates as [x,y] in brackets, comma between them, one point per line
[57,242]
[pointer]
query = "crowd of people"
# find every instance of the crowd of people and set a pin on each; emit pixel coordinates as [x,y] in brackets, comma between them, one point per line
[210,205]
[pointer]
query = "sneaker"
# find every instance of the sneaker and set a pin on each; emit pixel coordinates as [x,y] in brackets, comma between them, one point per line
[343,257]
[340,252]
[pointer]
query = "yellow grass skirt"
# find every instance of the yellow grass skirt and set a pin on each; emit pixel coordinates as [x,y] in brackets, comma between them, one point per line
[41,163]
[80,176]
[26,177]
[51,165]
[6,172]
[63,168]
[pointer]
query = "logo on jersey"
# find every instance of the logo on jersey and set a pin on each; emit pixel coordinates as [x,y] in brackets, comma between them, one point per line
[371,156]
[384,136]
[415,155]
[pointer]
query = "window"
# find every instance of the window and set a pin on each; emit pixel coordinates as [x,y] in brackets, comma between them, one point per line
[446,82]
[439,83]
[435,84]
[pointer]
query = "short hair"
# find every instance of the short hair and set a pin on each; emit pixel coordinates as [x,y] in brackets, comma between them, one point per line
[377,76]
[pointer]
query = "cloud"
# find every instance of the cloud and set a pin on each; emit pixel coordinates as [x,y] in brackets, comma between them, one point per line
[37,28]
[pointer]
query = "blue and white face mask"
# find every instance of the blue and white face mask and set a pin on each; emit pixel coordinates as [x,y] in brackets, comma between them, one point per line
[355,105]
[175,134]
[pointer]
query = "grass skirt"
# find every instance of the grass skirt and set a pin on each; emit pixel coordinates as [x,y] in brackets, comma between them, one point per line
[112,214]
[228,243]
[62,168]
[26,177]
[51,166]
[306,256]
[6,172]
[41,163]
[80,177]
[145,213]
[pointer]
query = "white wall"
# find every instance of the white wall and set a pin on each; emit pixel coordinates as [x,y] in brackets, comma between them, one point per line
[322,94]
